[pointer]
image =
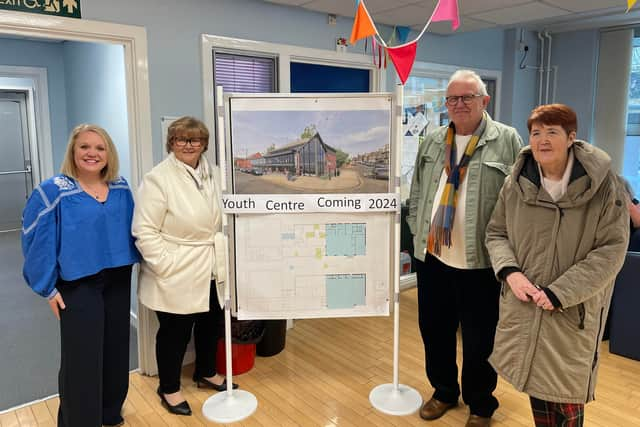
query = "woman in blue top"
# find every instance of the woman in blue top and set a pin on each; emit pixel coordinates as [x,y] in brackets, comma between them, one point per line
[78,253]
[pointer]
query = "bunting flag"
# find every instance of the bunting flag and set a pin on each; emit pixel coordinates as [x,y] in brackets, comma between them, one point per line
[403,58]
[362,25]
[447,10]
[403,33]
[630,4]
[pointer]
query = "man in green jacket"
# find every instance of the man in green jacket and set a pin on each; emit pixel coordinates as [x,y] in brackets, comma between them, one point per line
[458,174]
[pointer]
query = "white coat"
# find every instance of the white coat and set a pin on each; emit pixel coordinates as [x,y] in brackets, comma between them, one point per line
[176,218]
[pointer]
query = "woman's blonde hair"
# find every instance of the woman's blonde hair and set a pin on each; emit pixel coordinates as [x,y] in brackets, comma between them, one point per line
[109,172]
[187,127]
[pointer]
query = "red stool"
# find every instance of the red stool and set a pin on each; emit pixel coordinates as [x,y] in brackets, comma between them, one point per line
[243,357]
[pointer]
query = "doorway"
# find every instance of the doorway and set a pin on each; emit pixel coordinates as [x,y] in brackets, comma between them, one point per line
[29,357]
[15,163]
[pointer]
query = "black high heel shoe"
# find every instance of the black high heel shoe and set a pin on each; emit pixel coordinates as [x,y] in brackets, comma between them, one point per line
[202,382]
[181,408]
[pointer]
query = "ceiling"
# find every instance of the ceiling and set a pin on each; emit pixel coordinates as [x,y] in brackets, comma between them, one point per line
[552,15]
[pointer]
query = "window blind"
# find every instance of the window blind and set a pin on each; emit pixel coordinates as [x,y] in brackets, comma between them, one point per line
[241,73]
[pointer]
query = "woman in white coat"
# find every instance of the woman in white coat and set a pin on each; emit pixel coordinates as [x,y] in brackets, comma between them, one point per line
[176,217]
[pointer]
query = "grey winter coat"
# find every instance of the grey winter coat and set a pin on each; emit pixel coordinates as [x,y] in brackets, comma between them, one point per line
[575,247]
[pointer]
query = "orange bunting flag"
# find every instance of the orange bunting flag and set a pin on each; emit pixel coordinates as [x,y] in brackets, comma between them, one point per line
[362,24]
[447,10]
[630,4]
[403,58]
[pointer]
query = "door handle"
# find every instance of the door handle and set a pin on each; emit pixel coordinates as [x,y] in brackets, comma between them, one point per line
[27,170]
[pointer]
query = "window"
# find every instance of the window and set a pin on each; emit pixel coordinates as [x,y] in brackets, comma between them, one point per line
[631,162]
[424,111]
[325,78]
[247,74]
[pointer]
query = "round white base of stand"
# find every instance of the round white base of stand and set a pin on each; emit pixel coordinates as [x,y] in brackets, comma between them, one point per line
[401,401]
[225,407]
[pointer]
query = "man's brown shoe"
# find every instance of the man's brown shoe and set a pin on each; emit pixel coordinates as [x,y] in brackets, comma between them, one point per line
[478,421]
[434,409]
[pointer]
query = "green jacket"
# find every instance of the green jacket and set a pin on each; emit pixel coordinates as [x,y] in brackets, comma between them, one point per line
[574,247]
[491,162]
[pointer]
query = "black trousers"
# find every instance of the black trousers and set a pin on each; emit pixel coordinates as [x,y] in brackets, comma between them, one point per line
[94,332]
[174,335]
[448,297]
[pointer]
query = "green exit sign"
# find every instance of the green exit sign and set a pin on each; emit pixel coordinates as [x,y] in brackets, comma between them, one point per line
[66,8]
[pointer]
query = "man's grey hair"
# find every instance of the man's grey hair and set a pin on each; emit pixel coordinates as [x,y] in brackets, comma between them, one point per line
[468,75]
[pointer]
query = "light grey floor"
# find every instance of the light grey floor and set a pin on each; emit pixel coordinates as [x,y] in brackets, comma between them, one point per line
[29,344]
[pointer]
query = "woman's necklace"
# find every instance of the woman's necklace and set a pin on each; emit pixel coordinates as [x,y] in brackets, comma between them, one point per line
[98,192]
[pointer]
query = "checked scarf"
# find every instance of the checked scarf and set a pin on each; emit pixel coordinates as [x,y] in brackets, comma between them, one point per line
[442,224]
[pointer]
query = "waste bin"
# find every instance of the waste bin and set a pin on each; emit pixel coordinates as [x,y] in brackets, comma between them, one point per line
[243,357]
[273,340]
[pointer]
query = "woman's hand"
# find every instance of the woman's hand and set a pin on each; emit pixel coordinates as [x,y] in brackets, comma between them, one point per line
[543,301]
[56,303]
[521,287]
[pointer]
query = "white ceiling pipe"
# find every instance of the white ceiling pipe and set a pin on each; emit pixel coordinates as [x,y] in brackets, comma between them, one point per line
[541,68]
[548,67]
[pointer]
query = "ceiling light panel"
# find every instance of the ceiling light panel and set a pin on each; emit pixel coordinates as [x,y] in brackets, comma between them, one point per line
[468,7]
[466,24]
[406,15]
[524,13]
[587,5]
[337,7]
[289,2]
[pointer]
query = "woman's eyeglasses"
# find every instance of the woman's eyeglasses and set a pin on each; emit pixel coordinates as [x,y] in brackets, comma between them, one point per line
[182,142]
[466,99]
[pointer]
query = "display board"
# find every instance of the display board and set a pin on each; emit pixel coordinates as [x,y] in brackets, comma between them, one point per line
[291,154]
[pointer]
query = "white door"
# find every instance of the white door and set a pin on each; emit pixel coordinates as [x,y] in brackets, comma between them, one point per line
[16,180]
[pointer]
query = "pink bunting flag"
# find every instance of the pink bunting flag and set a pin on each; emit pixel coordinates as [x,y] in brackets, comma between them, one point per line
[403,58]
[447,10]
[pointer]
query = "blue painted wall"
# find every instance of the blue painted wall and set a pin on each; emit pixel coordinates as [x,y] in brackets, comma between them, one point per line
[46,55]
[576,55]
[96,92]
[174,30]
[520,85]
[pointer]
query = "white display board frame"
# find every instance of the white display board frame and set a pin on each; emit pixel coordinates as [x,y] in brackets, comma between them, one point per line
[381,221]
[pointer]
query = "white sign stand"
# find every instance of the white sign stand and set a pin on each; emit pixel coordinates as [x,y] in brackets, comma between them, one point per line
[231,405]
[396,399]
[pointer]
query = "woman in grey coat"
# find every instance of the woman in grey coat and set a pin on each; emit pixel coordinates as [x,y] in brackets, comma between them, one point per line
[557,238]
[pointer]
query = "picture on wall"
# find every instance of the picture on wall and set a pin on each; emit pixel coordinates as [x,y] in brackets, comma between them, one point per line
[306,145]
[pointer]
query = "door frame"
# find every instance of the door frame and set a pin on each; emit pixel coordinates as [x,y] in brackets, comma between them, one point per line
[134,40]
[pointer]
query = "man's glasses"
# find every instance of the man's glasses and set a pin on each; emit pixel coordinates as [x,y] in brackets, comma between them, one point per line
[182,142]
[467,99]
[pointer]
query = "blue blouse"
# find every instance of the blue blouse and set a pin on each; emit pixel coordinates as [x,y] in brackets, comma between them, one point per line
[68,234]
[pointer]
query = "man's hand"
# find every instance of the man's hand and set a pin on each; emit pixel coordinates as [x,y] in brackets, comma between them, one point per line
[56,303]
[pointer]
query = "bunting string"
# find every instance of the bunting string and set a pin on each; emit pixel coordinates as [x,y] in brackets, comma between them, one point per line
[445,10]
[403,55]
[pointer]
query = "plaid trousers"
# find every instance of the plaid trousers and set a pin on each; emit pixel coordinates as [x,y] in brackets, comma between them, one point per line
[551,414]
